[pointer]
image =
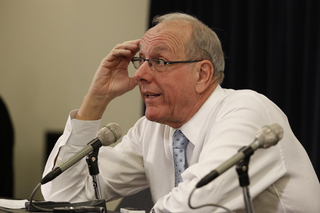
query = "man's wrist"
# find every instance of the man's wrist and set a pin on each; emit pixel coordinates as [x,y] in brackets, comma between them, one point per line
[92,108]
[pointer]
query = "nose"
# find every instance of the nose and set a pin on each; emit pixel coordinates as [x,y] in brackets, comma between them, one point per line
[144,73]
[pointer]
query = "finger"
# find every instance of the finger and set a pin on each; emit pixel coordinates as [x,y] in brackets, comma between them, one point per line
[126,49]
[129,45]
[132,83]
[121,52]
[133,46]
[135,42]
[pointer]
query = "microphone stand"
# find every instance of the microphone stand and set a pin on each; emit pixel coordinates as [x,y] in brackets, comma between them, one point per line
[92,161]
[242,170]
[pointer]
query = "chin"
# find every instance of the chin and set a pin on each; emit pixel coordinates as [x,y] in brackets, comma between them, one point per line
[152,115]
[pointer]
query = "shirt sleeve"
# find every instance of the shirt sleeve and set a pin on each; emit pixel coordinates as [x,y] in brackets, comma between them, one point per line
[121,173]
[77,134]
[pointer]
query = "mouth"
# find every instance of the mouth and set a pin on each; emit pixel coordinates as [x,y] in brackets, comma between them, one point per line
[151,96]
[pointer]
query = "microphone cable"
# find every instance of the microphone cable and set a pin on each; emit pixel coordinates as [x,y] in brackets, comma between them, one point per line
[206,205]
[33,205]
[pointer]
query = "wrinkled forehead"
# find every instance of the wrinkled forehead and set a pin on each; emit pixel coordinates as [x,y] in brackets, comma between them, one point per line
[165,37]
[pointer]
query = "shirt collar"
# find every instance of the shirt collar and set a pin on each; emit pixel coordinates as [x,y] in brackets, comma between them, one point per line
[194,126]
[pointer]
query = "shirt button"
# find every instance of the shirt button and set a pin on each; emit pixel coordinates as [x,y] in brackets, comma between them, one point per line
[58,163]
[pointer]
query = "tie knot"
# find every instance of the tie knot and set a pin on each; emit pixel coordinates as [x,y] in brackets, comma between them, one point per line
[179,140]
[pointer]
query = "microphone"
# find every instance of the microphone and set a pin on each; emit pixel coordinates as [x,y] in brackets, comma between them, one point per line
[267,136]
[106,135]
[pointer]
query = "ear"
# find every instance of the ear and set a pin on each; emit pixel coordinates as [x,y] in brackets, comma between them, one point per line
[205,73]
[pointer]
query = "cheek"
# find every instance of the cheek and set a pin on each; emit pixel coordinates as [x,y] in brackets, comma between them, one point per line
[177,85]
[180,91]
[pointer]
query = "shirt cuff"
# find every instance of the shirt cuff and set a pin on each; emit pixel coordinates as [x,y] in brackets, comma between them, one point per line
[82,132]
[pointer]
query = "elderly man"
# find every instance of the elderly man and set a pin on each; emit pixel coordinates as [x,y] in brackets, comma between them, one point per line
[179,71]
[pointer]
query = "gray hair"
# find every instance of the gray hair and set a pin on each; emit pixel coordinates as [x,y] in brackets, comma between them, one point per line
[204,43]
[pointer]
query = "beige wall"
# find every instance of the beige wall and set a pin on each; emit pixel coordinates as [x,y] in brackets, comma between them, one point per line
[49,51]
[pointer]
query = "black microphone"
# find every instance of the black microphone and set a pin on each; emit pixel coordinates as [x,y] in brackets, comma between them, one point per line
[267,136]
[106,135]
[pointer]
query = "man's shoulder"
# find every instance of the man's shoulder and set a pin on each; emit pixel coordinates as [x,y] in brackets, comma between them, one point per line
[243,95]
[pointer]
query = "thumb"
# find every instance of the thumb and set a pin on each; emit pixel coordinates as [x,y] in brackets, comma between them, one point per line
[132,83]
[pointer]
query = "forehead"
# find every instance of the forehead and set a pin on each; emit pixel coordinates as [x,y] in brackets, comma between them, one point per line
[167,38]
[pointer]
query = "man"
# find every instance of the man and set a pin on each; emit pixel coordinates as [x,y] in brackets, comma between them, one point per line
[180,68]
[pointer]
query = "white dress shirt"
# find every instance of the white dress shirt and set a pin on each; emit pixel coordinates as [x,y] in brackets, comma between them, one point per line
[282,178]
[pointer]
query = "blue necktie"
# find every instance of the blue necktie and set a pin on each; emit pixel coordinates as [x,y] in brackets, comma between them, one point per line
[179,145]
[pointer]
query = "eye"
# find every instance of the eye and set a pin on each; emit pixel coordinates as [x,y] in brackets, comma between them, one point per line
[160,62]
[141,60]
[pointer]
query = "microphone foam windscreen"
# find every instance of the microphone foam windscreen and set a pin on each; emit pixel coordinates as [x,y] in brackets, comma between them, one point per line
[109,134]
[269,135]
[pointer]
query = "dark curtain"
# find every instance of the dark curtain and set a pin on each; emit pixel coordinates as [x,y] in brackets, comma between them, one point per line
[272,47]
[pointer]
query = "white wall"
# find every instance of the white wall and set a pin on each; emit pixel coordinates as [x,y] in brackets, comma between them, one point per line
[49,51]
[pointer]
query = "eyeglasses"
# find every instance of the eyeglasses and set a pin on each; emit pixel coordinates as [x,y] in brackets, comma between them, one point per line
[156,63]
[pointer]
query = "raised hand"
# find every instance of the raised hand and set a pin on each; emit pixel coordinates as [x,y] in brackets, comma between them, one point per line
[110,80]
